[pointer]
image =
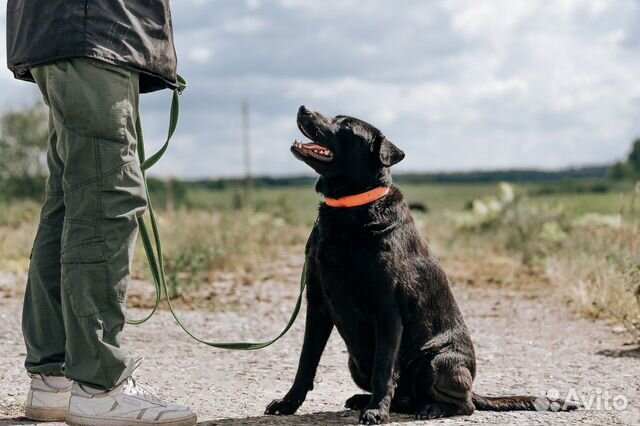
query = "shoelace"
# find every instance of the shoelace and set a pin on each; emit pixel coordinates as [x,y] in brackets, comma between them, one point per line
[140,390]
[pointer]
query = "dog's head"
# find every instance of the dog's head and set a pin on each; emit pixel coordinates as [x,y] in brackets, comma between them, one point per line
[349,154]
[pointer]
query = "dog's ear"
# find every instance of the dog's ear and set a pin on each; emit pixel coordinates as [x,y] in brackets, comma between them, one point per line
[389,153]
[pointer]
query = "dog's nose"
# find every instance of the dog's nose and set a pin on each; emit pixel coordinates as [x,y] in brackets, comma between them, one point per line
[303,110]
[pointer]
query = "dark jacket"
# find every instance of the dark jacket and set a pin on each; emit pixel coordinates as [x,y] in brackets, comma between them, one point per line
[135,34]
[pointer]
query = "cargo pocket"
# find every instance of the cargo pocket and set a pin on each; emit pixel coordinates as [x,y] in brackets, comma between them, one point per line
[98,100]
[85,276]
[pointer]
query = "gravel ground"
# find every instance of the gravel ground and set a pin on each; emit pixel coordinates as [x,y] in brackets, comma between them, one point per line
[525,343]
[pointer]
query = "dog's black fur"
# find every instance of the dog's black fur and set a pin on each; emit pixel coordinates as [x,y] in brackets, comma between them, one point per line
[373,277]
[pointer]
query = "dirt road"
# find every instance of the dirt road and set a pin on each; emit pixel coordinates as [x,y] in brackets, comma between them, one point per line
[525,343]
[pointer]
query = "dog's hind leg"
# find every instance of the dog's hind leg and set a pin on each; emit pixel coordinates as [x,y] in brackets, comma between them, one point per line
[442,386]
[401,402]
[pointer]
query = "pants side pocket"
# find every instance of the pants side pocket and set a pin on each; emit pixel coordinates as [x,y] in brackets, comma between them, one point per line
[85,277]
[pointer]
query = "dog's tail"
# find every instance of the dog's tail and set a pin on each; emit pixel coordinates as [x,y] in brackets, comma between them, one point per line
[522,403]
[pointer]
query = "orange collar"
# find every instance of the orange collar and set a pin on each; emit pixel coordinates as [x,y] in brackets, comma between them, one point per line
[358,199]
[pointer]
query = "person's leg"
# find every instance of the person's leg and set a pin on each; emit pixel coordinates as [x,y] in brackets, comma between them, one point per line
[42,324]
[94,107]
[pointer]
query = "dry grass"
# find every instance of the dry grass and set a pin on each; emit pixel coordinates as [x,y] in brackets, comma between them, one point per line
[18,223]
[199,245]
[599,269]
[591,260]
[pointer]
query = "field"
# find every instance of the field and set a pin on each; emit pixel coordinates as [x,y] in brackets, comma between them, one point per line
[531,267]
[584,244]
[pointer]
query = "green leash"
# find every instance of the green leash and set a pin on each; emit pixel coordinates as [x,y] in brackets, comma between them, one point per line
[153,247]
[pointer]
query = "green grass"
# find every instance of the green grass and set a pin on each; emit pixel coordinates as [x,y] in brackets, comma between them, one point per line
[296,205]
[440,197]
[576,199]
[299,204]
[578,204]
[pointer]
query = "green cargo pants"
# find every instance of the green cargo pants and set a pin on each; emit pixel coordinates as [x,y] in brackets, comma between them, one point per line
[74,307]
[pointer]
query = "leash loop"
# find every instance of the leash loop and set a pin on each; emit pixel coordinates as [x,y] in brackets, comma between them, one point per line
[153,245]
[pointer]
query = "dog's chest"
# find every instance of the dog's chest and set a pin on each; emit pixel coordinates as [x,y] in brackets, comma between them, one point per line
[349,274]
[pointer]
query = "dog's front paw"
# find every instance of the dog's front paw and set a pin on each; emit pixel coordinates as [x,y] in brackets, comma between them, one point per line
[283,407]
[358,401]
[434,411]
[374,416]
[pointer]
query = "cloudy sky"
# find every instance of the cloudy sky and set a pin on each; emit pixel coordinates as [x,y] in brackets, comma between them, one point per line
[459,85]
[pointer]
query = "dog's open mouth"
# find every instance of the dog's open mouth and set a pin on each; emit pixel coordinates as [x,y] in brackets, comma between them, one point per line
[313,150]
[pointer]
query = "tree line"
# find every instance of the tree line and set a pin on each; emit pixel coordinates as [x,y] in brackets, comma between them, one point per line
[629,169]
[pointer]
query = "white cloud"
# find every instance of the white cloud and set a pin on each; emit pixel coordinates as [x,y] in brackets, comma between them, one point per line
[254,4]
[245,25]
[199,54]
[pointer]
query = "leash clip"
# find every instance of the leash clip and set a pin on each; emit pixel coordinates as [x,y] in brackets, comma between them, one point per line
[181,84]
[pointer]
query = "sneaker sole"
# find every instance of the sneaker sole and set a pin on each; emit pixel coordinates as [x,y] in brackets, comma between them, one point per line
[45,414]
[75,420]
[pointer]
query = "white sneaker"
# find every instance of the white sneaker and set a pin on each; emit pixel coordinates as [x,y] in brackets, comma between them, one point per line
[127,404]
[48,398]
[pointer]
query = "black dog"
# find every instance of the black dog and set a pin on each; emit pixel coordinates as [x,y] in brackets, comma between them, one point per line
[371,275]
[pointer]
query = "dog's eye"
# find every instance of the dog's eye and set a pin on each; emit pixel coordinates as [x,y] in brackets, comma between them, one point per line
[346,129]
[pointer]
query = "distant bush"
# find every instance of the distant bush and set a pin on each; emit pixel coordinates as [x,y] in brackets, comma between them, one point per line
[22,188]
[629,169]
[23,145]
[167,194]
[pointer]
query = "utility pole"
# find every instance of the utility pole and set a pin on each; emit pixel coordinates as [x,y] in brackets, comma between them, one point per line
[246,139]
